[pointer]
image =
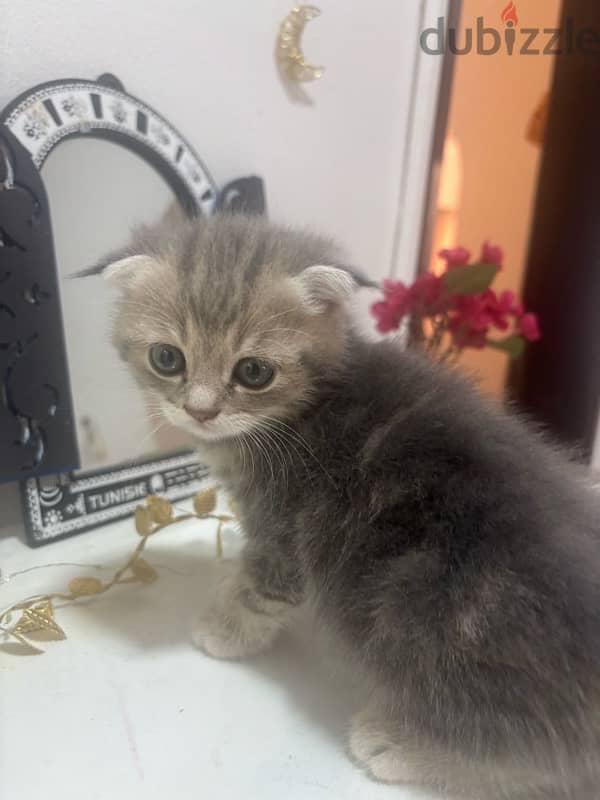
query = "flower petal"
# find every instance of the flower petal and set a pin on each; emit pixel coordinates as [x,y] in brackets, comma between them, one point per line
[530,327]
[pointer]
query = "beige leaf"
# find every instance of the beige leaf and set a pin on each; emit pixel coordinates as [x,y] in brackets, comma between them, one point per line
[143,521]
[83,586]
[43,607]
[161,511]
[205,501]
[22,640]
[27,624]
[39,618]
[143,571]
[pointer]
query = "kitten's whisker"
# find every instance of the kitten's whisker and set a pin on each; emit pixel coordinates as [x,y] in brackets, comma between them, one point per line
[268,457]
[151,433]
[243,447]
[279,452]
[239,443]
[252,434]
[282,433]
[297,436]
[251,454]
[289,442]
[283,442]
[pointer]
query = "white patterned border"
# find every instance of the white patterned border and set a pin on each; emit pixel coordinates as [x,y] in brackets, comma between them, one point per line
[42,531]
[32,124]
[98,518]
[132,473]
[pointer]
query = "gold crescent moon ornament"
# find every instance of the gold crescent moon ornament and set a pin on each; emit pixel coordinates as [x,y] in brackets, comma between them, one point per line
[289,45]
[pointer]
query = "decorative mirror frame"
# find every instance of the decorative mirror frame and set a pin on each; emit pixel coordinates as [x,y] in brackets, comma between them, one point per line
[38,444]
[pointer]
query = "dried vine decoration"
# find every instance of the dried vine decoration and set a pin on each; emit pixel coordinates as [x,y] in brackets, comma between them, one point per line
[35,615]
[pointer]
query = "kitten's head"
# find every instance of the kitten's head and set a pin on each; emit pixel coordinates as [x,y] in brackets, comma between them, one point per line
[229,322]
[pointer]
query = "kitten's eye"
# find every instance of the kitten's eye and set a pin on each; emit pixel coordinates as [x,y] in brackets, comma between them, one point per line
[253,373]
[167,360]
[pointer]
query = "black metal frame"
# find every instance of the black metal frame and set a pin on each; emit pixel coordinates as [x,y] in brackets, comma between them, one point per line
[62,505]
[38,443]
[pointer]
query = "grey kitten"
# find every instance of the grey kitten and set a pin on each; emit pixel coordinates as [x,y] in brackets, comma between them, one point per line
[453,552]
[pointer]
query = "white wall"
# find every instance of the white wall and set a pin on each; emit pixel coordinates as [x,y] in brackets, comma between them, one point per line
[344,160]
[335,160]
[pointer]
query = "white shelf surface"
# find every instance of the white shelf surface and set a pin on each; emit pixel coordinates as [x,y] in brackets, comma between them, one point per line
[126,708]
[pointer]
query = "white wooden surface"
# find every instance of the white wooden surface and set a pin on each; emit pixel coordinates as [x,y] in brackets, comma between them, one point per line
[126,708]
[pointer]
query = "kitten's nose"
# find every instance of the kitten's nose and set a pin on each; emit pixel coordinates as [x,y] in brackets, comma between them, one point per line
[202,414]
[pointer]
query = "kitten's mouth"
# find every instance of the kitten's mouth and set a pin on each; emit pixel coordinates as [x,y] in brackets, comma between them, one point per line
[212,427]
[218,427]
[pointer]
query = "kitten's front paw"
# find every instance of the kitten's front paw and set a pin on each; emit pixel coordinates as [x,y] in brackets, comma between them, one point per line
[373,750]
[241,623]
[212,635]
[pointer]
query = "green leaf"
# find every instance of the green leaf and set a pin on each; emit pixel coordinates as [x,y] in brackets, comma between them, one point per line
[470,279]
[513,345]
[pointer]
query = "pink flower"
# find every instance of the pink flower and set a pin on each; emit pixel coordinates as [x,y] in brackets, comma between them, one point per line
[387,319]
[480,311]
[474,315]
[511,304]
[467,318]
[470,312]
[491,254]
[455,257]
[390,311]
[530,327]
[397,296]
[497,309]
[469,324]
[425,294]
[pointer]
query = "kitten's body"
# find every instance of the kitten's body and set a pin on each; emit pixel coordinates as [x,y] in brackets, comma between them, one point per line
[453,552]
[456,558]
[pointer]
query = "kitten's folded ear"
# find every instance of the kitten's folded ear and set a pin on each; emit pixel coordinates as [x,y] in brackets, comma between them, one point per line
[121,269]
[128,271]
[322,285]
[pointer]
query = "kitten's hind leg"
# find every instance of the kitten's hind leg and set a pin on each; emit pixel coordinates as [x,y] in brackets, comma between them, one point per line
[378,744]
[373,747]
[250,609]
